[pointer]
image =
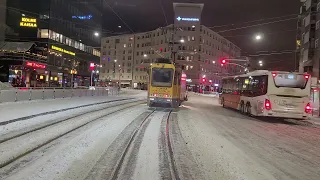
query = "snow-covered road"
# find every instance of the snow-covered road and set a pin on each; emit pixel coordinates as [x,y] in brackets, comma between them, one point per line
[128,140]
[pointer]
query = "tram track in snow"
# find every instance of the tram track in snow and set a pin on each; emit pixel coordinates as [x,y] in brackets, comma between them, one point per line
[21,144]
[135,140]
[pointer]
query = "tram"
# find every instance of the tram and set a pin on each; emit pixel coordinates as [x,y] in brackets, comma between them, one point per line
[167,84]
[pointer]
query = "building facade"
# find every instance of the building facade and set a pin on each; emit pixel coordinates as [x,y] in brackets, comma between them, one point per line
[308,36]
[198,49]
[2,19]
[57,36]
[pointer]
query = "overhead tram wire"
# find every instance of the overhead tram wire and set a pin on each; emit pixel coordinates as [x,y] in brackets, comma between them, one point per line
[119,16]
[271,33]
[278,17]
[255,25]
[164,14]
[110,32]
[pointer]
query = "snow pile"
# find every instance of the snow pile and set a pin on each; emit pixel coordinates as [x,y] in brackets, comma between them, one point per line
[5,86]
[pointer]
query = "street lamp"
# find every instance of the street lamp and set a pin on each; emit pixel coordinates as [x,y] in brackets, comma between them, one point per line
[182,40]
[145,55]
[258,37]
[260,63]
[96,34]
[115,60]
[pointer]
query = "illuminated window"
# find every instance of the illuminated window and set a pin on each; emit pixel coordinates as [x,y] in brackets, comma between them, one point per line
[44,33]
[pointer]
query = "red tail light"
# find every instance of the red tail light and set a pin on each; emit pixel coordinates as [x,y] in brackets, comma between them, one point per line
[306,76]
[267,104]
[274,74]
[307,109]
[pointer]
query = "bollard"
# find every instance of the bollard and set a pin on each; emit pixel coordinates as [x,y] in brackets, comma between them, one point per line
[16,98]
[63,93]
[30,94]
[54,93]
[71,92]
[42,93]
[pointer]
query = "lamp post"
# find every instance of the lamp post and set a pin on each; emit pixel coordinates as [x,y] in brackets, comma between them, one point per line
[73,72]
[119,76]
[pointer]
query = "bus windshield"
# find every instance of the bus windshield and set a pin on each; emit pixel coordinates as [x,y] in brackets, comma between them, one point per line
[162,77]
[290,80]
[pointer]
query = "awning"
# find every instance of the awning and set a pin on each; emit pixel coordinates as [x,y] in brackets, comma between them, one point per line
[16,46]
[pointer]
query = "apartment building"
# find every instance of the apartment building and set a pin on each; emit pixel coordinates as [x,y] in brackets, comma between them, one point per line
[308,36]
[127,58]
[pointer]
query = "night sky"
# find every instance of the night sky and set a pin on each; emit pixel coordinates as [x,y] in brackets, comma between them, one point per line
[144,15]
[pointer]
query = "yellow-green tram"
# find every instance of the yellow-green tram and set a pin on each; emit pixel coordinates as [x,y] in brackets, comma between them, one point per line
[167,86]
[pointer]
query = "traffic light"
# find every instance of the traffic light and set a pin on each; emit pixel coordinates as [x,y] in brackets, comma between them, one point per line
[223,61]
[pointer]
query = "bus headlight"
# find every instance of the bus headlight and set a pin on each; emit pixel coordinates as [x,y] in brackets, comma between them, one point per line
[151,99]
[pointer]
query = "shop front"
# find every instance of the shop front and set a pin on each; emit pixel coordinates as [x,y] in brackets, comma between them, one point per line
[28,74]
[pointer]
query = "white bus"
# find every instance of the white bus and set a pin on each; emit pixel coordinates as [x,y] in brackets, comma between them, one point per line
[268,93]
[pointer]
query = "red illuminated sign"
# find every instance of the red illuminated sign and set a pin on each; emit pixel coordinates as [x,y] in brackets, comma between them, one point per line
[35,65]
[91,66]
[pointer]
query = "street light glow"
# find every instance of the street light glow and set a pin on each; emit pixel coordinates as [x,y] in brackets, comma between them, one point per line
[213,62]
[258,37]
[115,60]
[96,34]
[145,55]
[182,40]
[260,62]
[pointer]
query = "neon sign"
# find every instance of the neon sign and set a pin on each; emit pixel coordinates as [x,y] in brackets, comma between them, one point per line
[63,50]
[82,17]
[28,22]
[35,65]
[187,19]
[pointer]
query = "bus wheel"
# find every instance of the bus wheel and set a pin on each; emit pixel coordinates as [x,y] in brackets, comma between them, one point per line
[248,109]
[242,107]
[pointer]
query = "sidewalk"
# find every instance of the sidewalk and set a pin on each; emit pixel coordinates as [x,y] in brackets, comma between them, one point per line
[314,120]
[13,110]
